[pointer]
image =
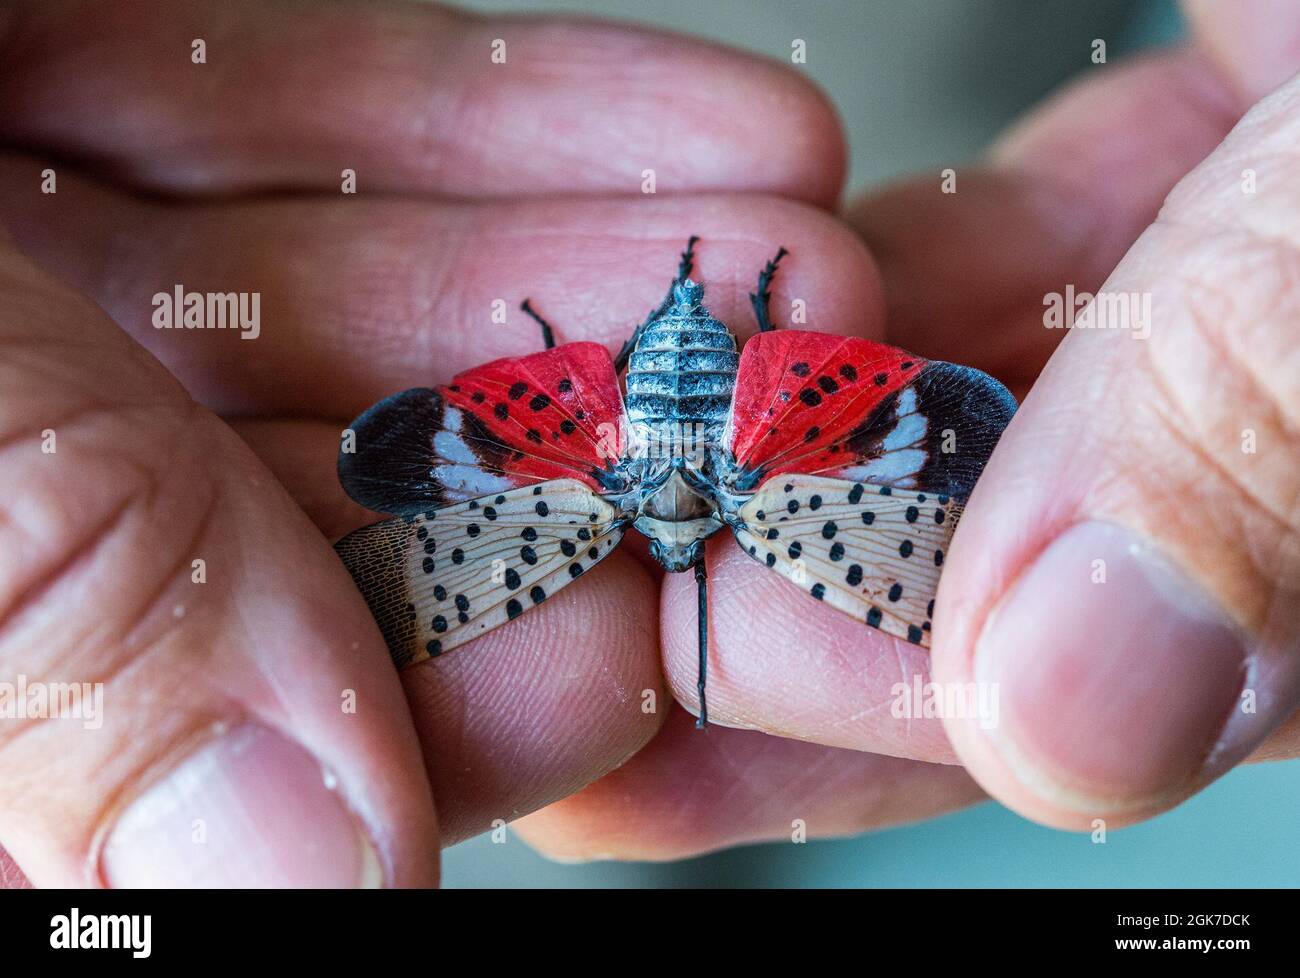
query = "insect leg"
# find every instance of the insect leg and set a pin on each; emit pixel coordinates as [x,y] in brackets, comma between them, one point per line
[684,267]
[760,298]
[548,337]
[701,579]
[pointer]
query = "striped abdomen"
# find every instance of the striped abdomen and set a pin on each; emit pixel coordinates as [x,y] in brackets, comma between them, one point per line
[684,368]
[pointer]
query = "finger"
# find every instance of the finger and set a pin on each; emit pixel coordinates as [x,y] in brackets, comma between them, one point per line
[531,712]
[358,299]
[1254,44]
[1052,208]
[1126,573]
[411,97]
[691,792]
[11,877]
[785,664]
[207,701]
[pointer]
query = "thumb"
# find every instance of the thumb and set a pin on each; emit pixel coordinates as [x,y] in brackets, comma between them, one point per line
[191,690]
[1126,574]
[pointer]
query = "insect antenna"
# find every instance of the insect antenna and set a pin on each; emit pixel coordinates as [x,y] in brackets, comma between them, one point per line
[701,579]
[760,298]
[684,267]
[548,337]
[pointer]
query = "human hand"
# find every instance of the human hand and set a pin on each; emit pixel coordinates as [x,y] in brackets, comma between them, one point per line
[225,176]
[1109,707]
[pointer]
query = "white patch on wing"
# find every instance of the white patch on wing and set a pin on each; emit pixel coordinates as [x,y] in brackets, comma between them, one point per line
[450,447]
[911,426]
[469,479]
[898,468]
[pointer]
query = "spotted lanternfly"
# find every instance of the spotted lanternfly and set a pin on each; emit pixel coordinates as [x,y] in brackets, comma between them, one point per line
[839,462]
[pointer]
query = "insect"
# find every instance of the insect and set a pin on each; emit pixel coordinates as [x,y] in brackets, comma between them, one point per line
[838,462]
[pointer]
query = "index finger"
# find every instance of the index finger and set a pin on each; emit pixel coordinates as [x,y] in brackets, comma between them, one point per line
[409,96]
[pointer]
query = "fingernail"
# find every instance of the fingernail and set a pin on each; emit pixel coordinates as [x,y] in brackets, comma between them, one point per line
[1115,673]
[248,809]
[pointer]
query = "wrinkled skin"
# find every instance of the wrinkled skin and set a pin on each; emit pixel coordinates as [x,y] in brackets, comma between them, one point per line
[173,444]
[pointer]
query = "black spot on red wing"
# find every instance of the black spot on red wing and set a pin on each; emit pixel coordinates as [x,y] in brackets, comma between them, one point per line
[800,369]
[906,365]
[882,379]
[567,426]
[828,384]
[849,372]
[517,390]
[534,436]
[478,397]
[501,411]
[810,397]
[540,402]
[812,433]
[564,386]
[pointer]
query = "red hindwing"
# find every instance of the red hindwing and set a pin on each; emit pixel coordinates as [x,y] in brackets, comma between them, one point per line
[848,408]
[512,422]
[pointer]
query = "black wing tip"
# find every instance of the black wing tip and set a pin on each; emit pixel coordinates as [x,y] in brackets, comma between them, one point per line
[387,471]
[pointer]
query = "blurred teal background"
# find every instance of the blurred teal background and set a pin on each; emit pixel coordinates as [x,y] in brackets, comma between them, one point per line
[924,84]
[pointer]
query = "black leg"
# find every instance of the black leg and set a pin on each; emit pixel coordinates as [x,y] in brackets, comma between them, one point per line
[701,579]
[764,293]
[548,337]
[683,272]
